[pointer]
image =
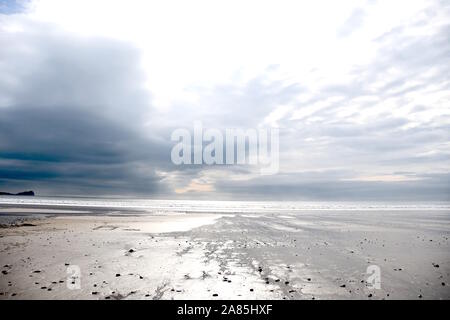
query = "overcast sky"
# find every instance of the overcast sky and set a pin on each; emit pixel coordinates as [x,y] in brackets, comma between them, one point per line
[90,92]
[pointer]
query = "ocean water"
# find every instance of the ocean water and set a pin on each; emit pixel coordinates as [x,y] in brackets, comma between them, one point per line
[202,206]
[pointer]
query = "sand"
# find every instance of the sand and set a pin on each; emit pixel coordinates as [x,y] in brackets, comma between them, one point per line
[293,255]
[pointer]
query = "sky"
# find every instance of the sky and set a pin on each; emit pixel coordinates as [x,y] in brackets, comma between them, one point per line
[90,92]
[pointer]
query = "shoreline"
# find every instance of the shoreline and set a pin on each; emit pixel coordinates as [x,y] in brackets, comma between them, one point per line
[307,255]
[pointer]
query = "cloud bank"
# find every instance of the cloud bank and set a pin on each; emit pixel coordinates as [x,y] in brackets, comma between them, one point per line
[362,104]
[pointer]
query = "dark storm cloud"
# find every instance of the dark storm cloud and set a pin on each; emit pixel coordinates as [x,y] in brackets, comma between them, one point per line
[73,113]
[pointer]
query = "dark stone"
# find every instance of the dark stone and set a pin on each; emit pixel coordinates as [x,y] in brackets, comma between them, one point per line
[26,225]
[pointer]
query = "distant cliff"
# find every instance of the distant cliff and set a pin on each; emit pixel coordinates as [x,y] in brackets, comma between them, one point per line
[25,193]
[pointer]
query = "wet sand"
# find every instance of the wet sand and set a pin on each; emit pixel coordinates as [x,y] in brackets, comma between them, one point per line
[294,255]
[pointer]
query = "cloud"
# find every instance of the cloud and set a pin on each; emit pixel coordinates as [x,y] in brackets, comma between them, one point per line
[356,109]
[74,112]
[353,22]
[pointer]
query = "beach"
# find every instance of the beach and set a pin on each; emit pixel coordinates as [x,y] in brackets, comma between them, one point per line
[72,251]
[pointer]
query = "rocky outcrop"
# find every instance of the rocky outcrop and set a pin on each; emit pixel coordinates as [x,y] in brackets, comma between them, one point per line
[24,193]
